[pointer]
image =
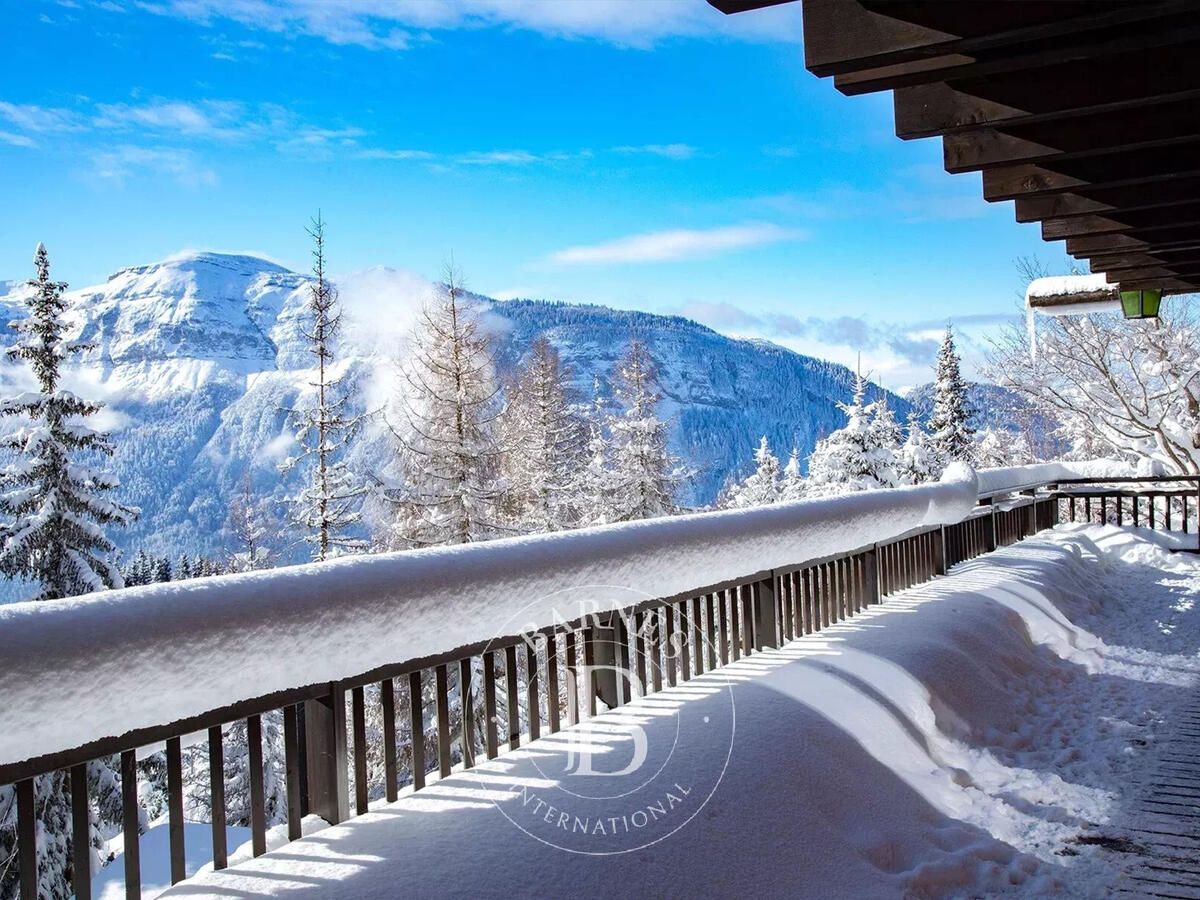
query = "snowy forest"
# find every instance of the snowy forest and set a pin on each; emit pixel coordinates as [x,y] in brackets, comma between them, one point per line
[474,455]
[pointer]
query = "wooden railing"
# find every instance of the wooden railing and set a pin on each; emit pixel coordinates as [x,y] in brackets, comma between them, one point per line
[532,683]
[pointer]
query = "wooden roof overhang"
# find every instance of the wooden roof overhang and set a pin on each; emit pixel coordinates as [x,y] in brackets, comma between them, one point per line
[1085,113]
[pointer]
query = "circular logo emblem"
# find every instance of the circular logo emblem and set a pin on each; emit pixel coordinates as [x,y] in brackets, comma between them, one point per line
[643,739]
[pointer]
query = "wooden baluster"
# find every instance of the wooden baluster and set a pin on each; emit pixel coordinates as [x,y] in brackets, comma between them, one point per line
[639,642]
[553,693]
[358,710]
[291,769]
[258,806]
[216,783]
[710,625]
[735,624]
[684,642]
[667,618]
[387,701]
[27,855]
[621,658]
[589,681]
[442,693]
[697,638]
[512,699]
[175,810]
[81,847]
[746,601]
[531,696]
[467,707]
[491,738]
[654,648]
[1150,498]
[723,616]
[416,729]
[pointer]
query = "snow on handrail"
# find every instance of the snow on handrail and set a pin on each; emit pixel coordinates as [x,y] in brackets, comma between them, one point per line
[105,664]
[1017,478]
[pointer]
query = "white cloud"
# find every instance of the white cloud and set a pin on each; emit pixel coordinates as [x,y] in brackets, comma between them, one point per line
[670,151]
[209,118]
[679,243]
[394,24]
[16,140]
[379,153]
[39,119]
[126,161]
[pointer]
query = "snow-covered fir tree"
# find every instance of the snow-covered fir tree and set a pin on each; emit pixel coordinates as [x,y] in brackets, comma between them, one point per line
[854,457]
[645,473]
[52,497]
[328,507]
[252,525]
[596,490]
[919,461]
[445,420]
[791,486]
[996,447]
[761,486]
[236,756]
[544,444]
[948,422]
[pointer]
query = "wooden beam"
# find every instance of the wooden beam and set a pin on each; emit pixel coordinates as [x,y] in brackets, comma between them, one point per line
[1035,209]
[1046,95]
[842,35]
[1167,286]
[1140,274]
[1058,229]
[736,6]
[1104,242]
[1010,182]
[1107,262]
[1097,44]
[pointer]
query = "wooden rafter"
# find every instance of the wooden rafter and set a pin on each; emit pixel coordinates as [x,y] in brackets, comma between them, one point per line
[1086,113]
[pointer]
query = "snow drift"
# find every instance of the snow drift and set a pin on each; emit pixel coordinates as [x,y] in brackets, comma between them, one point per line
[80,669]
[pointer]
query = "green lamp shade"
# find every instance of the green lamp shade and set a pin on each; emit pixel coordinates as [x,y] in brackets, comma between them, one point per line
[1140,304]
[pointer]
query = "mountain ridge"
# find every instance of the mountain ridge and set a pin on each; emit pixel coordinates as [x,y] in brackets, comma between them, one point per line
[198,356]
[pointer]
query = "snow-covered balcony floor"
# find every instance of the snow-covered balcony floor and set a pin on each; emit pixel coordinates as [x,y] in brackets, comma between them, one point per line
[991,732]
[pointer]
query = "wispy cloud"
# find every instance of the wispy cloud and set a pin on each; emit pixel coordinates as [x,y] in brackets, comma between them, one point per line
[380,153]
[678,243]
[16,140]
[670,151]
[398,24]
[39,119]
[127,161]
[208,118]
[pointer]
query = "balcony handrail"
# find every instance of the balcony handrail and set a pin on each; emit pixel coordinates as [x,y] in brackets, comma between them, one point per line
[789,574]
[166,650]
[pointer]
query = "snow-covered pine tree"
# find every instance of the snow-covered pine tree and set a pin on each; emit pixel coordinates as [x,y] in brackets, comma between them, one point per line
[445,420]
[329,506]
[55,504]
[543,440]
[919,461]
[646,474]
[791,486]
[852,457]
[54,500]
[948,422]
[162,571]
[762,485]
[886,437]
[251,524]
[996,447]
[596,491]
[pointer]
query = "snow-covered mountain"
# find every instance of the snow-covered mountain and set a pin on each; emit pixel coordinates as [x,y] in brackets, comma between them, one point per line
[199,356]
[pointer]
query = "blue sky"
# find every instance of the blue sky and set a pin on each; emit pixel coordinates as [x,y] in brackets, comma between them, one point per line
[648,154]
